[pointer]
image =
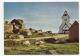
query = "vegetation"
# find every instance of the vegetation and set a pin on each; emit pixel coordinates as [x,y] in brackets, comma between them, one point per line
[68,48]
[13,42]
[65,36]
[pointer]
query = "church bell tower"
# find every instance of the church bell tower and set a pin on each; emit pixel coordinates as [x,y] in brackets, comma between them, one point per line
[64,27]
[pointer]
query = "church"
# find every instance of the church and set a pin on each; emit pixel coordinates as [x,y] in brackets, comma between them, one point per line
[64,27]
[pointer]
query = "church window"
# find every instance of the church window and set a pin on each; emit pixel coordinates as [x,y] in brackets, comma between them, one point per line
[65,19]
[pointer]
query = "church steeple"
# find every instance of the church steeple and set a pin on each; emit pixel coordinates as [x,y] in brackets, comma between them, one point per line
[65,17]
[65,23]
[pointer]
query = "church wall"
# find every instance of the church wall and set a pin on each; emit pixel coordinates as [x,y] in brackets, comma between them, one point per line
[74,32]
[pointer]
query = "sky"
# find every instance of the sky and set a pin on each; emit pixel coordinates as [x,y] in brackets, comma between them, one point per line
[41,15]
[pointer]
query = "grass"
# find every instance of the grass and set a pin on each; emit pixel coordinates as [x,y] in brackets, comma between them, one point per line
[65,36]
[47,48]
[69,48]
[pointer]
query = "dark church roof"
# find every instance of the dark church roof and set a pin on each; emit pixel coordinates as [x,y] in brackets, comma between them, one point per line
[75,23]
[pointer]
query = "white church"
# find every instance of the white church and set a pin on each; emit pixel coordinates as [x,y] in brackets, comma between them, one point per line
[64,27]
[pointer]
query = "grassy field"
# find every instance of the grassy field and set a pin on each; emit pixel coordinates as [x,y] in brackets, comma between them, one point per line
[46,48]
[65,36]
[67,48]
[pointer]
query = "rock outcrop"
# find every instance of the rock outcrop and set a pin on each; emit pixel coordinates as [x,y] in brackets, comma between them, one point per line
[8,28]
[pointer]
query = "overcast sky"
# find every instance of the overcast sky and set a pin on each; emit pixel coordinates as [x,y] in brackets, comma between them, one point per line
[45,16]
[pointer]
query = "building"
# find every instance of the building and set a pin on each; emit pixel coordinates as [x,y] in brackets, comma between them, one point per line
[64,27]
[74,32]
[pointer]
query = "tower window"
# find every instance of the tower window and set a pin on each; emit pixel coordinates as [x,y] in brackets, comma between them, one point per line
[65,15]
[65,19]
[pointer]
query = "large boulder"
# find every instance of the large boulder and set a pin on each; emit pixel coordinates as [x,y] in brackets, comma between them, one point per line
[21,36]
[25,32]
[17,25]
[26,42]
[17,22]
[8,28]
[39,42]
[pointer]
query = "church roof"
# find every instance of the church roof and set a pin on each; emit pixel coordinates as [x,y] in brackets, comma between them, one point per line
[75,23]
